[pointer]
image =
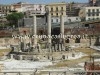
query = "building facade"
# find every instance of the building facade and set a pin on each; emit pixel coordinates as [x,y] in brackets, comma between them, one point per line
[56,9]
[29,9]
[91,13]
[72,9]
[5,10]
[38,9]
[66,19]
[17,7]
[28,22]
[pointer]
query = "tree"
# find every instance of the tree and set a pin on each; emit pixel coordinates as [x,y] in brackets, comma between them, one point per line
[14,17]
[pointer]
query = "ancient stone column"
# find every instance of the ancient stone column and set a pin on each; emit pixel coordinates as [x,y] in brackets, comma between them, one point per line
[49,30]
[35,29]
[62,24]
[62,30]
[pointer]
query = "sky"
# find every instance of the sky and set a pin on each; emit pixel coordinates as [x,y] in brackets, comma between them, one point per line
[39,1]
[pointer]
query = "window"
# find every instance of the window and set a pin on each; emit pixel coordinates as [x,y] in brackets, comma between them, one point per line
[97,10]
[56,14]
[51,20]
[51,9]
[89,14]
[56,8]
[93,14]
[89,10]
[93,10]
[62,13]
[97,14]
[52,14]
[61,8]
[56,20]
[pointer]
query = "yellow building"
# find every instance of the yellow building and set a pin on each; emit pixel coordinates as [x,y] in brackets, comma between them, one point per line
[5,10]
[56,9]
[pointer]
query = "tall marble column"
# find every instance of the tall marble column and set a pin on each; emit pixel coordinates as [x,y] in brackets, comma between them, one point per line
[35,29]
[62,25]
[62,30]
[49,30]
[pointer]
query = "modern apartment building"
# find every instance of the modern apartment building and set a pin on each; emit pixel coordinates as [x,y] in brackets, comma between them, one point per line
[90,13]
[29,9]
[72,9]
[56,9]
[5,9]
